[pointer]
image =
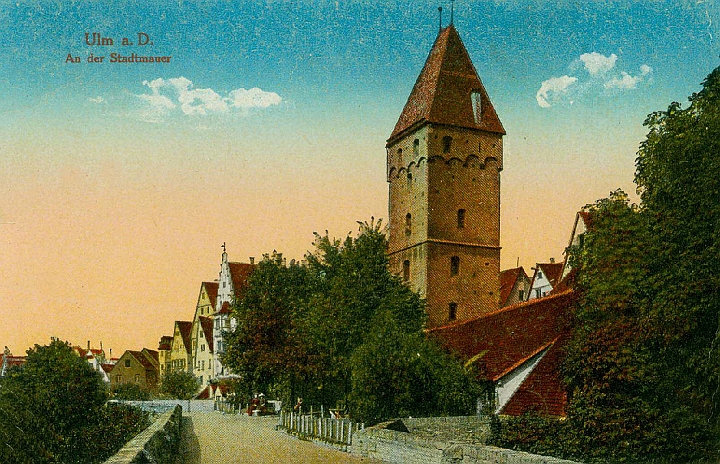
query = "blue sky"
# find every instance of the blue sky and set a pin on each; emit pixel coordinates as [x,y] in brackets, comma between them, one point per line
[270,123]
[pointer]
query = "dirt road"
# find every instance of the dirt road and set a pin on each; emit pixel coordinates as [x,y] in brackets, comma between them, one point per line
[211,437]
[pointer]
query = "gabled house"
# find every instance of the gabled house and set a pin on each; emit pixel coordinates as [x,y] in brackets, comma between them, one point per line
[138,367]
[164,351]
[514,286]
[545,278]
[231,284]
[518,351]
[582,223]
[202,333]
[181,353]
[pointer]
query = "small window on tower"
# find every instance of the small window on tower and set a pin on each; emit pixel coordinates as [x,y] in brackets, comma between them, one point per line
[416,147]
[447,144]
[406,270]
[476,106]
[461,218]
[408,224]
[452,311]
[409,178]
[454,265]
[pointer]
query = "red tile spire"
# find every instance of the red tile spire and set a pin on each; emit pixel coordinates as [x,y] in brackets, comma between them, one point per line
[442,92]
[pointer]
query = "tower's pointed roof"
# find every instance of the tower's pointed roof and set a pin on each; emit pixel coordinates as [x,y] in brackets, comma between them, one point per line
[442,92]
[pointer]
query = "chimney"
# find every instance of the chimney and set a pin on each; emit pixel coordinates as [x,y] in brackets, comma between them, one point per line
[552,260]
[252,260]
[88,345]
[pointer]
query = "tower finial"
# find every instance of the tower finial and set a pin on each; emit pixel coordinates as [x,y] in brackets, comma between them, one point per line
[440,18]
[223,247]
[452,11]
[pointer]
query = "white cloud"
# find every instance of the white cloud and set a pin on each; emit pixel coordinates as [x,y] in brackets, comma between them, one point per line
[253,98]
[553,87]
[166,95]
[597,63]
[626,81]
[99,100]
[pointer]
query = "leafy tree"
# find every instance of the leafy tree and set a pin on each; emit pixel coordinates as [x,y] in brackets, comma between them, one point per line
[130,392]
[53,410]
[328,330]
[182,385]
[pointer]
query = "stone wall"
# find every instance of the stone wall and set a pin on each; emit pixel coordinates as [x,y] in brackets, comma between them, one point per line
[439,440]
[159,443]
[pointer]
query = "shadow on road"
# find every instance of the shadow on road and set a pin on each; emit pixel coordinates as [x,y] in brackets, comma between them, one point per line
[189,445]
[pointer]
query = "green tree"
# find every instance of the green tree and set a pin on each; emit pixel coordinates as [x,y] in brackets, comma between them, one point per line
[53,410]
[182,385]
[130,392]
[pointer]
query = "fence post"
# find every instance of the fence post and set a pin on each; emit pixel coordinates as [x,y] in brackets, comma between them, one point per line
[350,427]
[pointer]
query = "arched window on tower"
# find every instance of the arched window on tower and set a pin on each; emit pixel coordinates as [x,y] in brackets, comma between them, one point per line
[406,270]
[416,148]
[461,218]
[476,106]
[408,224]
[409,178]
[447,144]
[452,311]
[454,265]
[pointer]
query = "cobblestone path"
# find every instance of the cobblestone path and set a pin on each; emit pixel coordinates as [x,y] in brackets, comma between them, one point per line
[211,437]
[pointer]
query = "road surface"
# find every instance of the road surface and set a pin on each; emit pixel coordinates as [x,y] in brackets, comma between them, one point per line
[212,437]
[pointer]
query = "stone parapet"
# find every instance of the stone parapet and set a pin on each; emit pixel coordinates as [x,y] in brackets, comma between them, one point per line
[159,443]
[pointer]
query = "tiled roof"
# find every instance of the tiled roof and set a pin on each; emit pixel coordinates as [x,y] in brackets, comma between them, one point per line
[499,342]
[107,367]
[185,328]
[211,288]
[15,360]
[442,91]
[508,278]
[553,272]
[165,343]
[239,272]
[142,359]
[225,308]
[542,391]
[154,356]
[206,323]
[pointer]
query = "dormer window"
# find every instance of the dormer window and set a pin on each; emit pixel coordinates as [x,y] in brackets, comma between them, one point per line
[476,100]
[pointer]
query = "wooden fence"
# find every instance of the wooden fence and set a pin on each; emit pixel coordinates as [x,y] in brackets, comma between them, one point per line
[333,431]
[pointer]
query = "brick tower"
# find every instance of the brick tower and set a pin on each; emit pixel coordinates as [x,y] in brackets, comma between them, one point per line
[444,159]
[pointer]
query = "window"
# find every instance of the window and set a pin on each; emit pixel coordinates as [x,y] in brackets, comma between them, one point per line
[406,270]
[452,311]
[476,106]
[202,347]
[118,379]
[461,218]
[416,147]
[447,144]
[137,378]
[203,365]
[538,293]
[409,178]
[454,265]
[539,274]
[408,224]
[521,295]
[127,363]
[201,379]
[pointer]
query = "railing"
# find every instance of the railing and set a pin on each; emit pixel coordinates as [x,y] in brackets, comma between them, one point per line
[226,406]
[333,431]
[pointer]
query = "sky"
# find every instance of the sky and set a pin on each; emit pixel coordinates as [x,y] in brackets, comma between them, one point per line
[120,181]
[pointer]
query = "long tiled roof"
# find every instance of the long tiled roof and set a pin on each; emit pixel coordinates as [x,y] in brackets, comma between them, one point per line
[442,91]
[553,272]
[499,342]
[186,333]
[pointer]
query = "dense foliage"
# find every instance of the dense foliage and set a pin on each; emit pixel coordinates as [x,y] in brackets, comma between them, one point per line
[182,385]
[130,392]
[342,331]
[643,367]
[53,409]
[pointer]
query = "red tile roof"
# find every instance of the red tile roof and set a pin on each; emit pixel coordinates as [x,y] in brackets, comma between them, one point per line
[107,367]
[225,308]
[211,288]
[185,328]
[442,91]
[499,342]
[165,343]
[206,323]
[142,359]
[239,272]
[508,278]
[553,271]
